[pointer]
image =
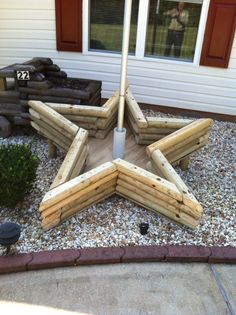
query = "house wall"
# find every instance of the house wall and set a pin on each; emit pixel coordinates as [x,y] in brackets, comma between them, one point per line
[27,29]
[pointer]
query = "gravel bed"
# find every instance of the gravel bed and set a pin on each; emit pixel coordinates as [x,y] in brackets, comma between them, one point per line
[115,222]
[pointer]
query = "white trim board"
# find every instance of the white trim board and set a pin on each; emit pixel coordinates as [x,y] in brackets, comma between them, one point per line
[141,36]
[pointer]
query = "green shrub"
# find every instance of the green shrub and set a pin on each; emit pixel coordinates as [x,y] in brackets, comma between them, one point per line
[18,166]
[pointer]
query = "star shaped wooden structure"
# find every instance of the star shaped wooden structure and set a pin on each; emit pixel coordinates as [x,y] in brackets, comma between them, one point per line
[162,190]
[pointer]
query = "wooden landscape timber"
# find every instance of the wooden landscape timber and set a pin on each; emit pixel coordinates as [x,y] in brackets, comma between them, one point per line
[174,123]
[21,121]
[162,164]
[82,191]
[186,151]
[53,125]
[188,133]
[3,84]
[154,193]
[102,133]
[40,60]
[11,95]
[137,114]
[10,109]
[70,192]
[199,136]
[50,134]
[35,116]
[58,194]
[54,99]
[98,121]
[5,127]
[83,119]
[148,178]
[52,150]
[80,110]
[54,117]
[57,92]
[146,130]
[81,162]
[184,163]
[169,197]
[178,146]
[58,73]
[47,83]
[62,124]
[39,85]
[61,133]
[150,167]
[52,67]
[80,195]
[70,166]
[179,217]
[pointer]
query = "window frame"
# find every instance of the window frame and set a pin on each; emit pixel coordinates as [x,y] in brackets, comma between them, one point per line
[141,36]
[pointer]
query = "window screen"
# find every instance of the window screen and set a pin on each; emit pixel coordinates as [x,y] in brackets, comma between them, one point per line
[106,25]
[172,29]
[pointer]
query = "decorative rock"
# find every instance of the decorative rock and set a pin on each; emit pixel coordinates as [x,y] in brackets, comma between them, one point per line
[115,221]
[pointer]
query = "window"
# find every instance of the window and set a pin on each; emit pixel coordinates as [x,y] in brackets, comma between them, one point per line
[155,26]
[106,25]
[172,29]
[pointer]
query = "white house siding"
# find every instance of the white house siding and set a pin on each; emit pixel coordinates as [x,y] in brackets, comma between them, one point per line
[27,29]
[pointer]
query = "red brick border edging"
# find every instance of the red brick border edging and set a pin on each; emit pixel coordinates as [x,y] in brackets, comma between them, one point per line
[111,255]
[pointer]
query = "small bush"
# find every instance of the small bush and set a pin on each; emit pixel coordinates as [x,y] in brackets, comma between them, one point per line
[18,167]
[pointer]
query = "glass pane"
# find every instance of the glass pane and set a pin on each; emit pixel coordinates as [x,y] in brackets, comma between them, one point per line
[106,25]
[172,29]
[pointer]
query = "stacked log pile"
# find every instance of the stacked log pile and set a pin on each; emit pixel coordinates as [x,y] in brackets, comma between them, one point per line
[10,105]
[52,125]
[157,194]
[75,159]
[168,196]
[180,144]
[146,130]
[189,205]
[77,194]
[47,83]
[63,134]
[5,127]
[98,121]
[50,84]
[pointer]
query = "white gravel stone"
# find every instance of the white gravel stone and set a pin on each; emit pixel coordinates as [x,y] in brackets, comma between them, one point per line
[115,221]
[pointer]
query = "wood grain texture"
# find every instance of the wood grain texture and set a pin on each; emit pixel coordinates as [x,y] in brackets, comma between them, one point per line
[100,151]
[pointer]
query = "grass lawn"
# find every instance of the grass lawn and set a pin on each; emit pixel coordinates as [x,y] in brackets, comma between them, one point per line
[109,37]
[188,46]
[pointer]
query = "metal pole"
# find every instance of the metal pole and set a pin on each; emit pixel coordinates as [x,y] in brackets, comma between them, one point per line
[125,51]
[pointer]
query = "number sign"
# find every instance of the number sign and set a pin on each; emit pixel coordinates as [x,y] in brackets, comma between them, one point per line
[22,75]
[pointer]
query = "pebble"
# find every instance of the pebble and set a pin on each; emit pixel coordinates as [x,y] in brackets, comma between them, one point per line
[115,221]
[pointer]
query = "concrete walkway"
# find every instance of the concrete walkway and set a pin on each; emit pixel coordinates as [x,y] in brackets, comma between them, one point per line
[137,289]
